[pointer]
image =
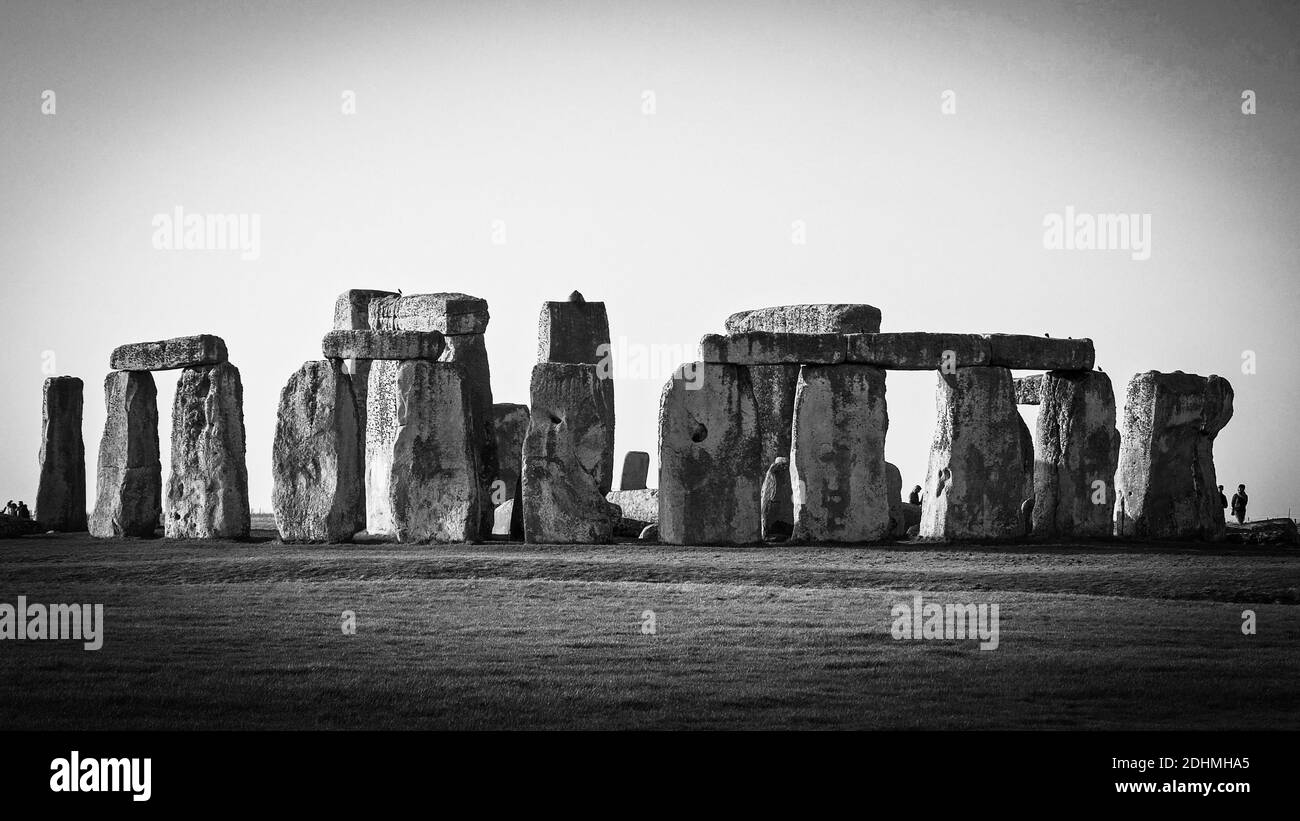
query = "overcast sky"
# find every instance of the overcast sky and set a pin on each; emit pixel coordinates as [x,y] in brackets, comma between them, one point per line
[664,158]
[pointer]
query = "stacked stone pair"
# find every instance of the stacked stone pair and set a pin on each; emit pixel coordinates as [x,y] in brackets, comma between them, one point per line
[207,492]
[568,453]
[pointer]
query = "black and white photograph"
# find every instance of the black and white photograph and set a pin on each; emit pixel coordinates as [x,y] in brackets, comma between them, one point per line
[444,376]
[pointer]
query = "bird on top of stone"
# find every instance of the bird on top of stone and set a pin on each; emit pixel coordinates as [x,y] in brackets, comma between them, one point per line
[576,296]
[1049,336]
[399,291]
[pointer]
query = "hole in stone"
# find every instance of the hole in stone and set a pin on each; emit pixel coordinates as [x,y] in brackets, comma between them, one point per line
[555,420]
[700,433]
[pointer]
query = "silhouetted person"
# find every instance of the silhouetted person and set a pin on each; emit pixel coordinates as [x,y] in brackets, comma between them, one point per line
[1239,500]
[1223,500]
[11,509]
[915,497]
[23,512]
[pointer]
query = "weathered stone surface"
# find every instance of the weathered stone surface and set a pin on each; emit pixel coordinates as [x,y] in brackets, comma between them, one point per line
[510,425]
[709,473]
[448,313]
[503,517]
[1263,531]
[381,433]
[352,308]
[763,348]
[1040,353]
[977,474]
[639,509]
[837,464]
[776,504]
[169,354]
[129,498]
[807,319]
[382,345]
[61,495]
[470,352]
[434,487]
[911,518]
[1165,482]
[1029,389]
[576,331]
[207,492]
[773,387]
[917,350]
[316,460]
[568,456]
[636,469]
[894,486]
[1077,454]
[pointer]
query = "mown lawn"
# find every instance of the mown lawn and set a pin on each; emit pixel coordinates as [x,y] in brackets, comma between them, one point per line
[522,636]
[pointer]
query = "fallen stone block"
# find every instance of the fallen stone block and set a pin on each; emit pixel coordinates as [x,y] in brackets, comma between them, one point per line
[641,505]
[776,501]
[917,351]
[382,345]
[837,463]
[807,319]
[316,461]
[450,314]
[207,492]
[763,348]
[129,473]
[61,494]
[709,473]
[575,331]
[1077,455]
[169,354]
[1040,353]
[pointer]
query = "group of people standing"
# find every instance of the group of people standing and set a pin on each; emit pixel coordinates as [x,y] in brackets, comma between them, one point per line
[19,511]
[1239,500]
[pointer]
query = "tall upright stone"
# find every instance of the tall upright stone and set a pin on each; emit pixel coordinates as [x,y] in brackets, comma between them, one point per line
[774,387]
[382,401]
[568,456]
[837,464]
[434,485]
[636,469]
[776,505]
[575,331]
[976,480]
[129,473]
[510,426]
[1165,483]
[470,353]
[894,487]
[1077,454]
[316,462]
[710,477]
[207,492]
[61,495]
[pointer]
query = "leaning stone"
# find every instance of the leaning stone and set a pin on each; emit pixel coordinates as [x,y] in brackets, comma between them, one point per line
[1077,455]
[894,484]
[636,468]
[709,473]
[316,459]
[1165,482]
[763,348]
[352,308]
[776,505]
[510,426]
[976,479]
[382,345]
[61,495]
[434,487]
[1029,389]
[169,354]
[207,492]
[129,474]
[837,464]
[576,331]
[448,313]
[917,350]
[470,352]
[568,456]
[1040,353]
[807,319]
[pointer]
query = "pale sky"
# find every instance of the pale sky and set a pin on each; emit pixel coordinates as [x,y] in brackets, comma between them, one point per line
[530,117]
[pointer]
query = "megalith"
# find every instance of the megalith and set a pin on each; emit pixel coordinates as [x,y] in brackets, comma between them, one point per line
[61,495]
[129,472]
[1165,483]
[575,331]
[207,492]
[1077,454]
[469,351]
[316,463]
[636,469]
[710,477]
[776,506]
[837,464]
[845,318]
[510,426]
[894,487]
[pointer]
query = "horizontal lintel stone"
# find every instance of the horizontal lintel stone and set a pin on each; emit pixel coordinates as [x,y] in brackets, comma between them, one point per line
[170,354]
[762,348]
[382,345]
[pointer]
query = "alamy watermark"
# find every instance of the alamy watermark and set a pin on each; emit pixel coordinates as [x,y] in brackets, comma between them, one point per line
[179,231]
[53,622]
[1072,231]
[920,621]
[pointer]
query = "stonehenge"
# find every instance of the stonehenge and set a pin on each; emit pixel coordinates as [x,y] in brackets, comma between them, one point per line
[207,492]
[575,331]
[510,423]
[61,495]
[1078,452]
[169,354]
[129,471]
[636,469]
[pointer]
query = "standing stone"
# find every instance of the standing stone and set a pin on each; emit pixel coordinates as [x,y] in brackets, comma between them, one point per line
[837,464]
[636,468]
[568,456]
[976,479]
[773,387]
[709,473]
[381,434]
[61,496]
[807,319]
[316,461]
[1165,482]
[776,506]
[352,312]
[129,474]
[575,331]
[510,424]
[434,486]
[470,352]
[1076,455]
[894,485]
[207,492]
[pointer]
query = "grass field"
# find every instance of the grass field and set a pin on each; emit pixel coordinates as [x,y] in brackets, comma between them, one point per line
[500,635]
